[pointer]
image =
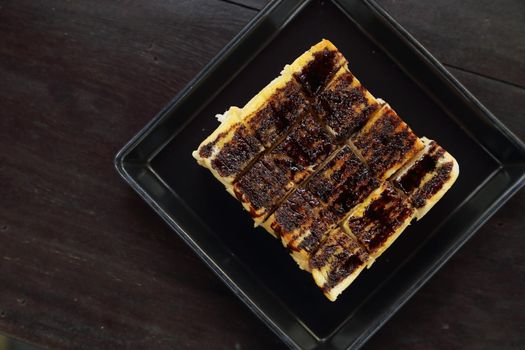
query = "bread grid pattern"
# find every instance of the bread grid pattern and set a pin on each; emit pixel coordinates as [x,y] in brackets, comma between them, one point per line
[327,168]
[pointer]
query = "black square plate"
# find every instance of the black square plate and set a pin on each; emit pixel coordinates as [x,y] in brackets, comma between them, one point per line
[157,163]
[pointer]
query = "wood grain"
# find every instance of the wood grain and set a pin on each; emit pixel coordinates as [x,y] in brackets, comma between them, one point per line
[250,4]
[483,36]
[85,264]
[506,101]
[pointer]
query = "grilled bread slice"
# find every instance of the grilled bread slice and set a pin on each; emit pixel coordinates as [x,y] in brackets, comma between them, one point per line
[378,223]
[337,263]
[301,222]
[386,143]
[347,104]
[268,115]
[304,218]
[314,69]
[427,177]
[326,167]
[294,159]
[245,133]
[343,182]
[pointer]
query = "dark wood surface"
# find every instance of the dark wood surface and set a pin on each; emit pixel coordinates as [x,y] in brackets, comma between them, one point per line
[85,264]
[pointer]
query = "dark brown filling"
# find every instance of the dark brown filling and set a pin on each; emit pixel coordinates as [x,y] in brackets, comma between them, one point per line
[302,150]
[265,127]
[320,224]
[261,186]
[381,219]
[316,74]
[344,255]
[344,183]
[411,180]
[237,153]
[205,151]
[431,187]
[284,109]
[335,173]
[299,213]
[342,104]
[343,266]
[382,146]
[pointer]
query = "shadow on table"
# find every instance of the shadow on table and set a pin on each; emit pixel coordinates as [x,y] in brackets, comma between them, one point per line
[12,344]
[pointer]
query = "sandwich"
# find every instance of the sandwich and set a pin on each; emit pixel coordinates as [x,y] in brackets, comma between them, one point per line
[325,167]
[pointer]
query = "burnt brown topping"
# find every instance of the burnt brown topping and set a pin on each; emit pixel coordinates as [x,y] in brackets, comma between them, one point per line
[411,180]
[295,211]
[347,108]
[303,149]
[335,240]
[388,141]
[343,81]
[261,186]
[343,254]
[283,110]
[431,187]
[292,160]
[236,154]
[343,183]
[354,191]
[302,212]
[323,221]
[413,177]
[206,150]
[334,173]
[263,129]
[381,219]
[323,254]
[344,264]
[318,72]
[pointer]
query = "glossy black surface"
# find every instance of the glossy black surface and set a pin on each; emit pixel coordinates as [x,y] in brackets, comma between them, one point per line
[158,164]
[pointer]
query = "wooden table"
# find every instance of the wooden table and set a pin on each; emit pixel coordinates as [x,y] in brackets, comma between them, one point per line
[85,264]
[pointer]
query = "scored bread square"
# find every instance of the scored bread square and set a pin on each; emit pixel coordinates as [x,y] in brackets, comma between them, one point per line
[337,262]
[245,133]
[344,182]
[314,69]
[303,150]
[347,104]
[428,177]
[229,148]
[386,143]
[305,217]
[295,158]
[327,168]
[301,222]
[260,188]
[378,223]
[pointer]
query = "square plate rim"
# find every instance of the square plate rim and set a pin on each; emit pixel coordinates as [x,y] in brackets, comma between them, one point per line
[121,163]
